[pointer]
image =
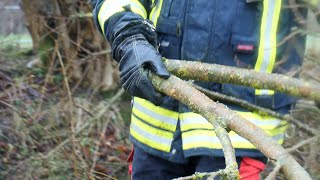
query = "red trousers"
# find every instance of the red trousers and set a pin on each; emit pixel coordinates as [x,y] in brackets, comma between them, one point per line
[250,169]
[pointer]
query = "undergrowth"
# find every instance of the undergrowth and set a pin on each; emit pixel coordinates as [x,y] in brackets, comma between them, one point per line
[47,132]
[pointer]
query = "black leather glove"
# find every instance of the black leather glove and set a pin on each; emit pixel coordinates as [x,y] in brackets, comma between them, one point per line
[138,56]
[133,41]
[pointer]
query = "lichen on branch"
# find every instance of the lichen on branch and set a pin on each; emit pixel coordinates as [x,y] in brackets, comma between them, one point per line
[239,76]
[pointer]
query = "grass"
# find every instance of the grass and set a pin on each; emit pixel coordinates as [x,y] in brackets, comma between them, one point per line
[13,40]
[15,46]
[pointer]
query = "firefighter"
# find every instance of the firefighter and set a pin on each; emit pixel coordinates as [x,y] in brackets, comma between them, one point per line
[170,140]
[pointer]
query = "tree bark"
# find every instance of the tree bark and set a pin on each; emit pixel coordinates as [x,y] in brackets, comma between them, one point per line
[232,75]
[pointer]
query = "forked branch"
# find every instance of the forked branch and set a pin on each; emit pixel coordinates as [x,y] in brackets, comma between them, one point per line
[216,112]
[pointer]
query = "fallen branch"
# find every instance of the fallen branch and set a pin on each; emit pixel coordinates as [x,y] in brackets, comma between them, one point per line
[213,111]
[258,109]
[226,74]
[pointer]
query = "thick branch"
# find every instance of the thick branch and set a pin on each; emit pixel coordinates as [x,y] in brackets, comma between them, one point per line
[192,100]
[200,103]
[260,110]
[225,74]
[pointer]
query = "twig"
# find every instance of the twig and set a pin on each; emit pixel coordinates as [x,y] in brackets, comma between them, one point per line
[99,115]
[297,14]
[303,143]
[95,156]
[260,110]
[72,120]
[197,175]
[272,175]
[105,175]
[46,80]
[9,128]
[85,109]
[64,73]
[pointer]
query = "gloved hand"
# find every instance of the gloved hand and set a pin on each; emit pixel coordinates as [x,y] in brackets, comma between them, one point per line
[137,57]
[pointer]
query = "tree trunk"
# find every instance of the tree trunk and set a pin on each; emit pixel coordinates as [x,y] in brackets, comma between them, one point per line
[67,26]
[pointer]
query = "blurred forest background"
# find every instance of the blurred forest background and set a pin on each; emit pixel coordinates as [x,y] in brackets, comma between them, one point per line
[63,114]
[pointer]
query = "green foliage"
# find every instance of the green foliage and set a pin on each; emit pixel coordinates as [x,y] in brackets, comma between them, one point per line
[15,46]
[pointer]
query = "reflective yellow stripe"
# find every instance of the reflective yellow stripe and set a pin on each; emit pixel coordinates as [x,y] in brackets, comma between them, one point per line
[192,120]
[240,142]
[156,109]
[200,139]
[197,132]
[150,129]
[268,40]
[196,121]
[110,7]
[155,12]
[137,7]
[264,122]
[155,119]
[208,139]
[274,127]
[150,139]
[150,136]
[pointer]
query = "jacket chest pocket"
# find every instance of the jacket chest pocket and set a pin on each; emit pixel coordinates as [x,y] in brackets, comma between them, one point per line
[169,27]
[245,32]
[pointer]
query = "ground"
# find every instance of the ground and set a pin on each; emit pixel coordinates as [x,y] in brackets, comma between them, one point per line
[45,136]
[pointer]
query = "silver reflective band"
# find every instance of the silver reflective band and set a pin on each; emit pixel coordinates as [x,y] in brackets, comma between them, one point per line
[268,47]
[152,137]
[200,138]
[165,119]
[138,7]
[238,139]
[274,123]
[195,120]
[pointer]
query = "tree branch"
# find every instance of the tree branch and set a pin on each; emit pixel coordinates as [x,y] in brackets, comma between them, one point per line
[232,75]
[213,111]
[260,110]
[192,99]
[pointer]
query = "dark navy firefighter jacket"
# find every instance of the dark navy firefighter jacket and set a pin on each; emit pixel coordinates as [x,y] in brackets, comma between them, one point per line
[247,34]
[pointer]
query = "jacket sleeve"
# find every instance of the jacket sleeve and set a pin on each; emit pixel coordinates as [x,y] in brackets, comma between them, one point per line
[119,19]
